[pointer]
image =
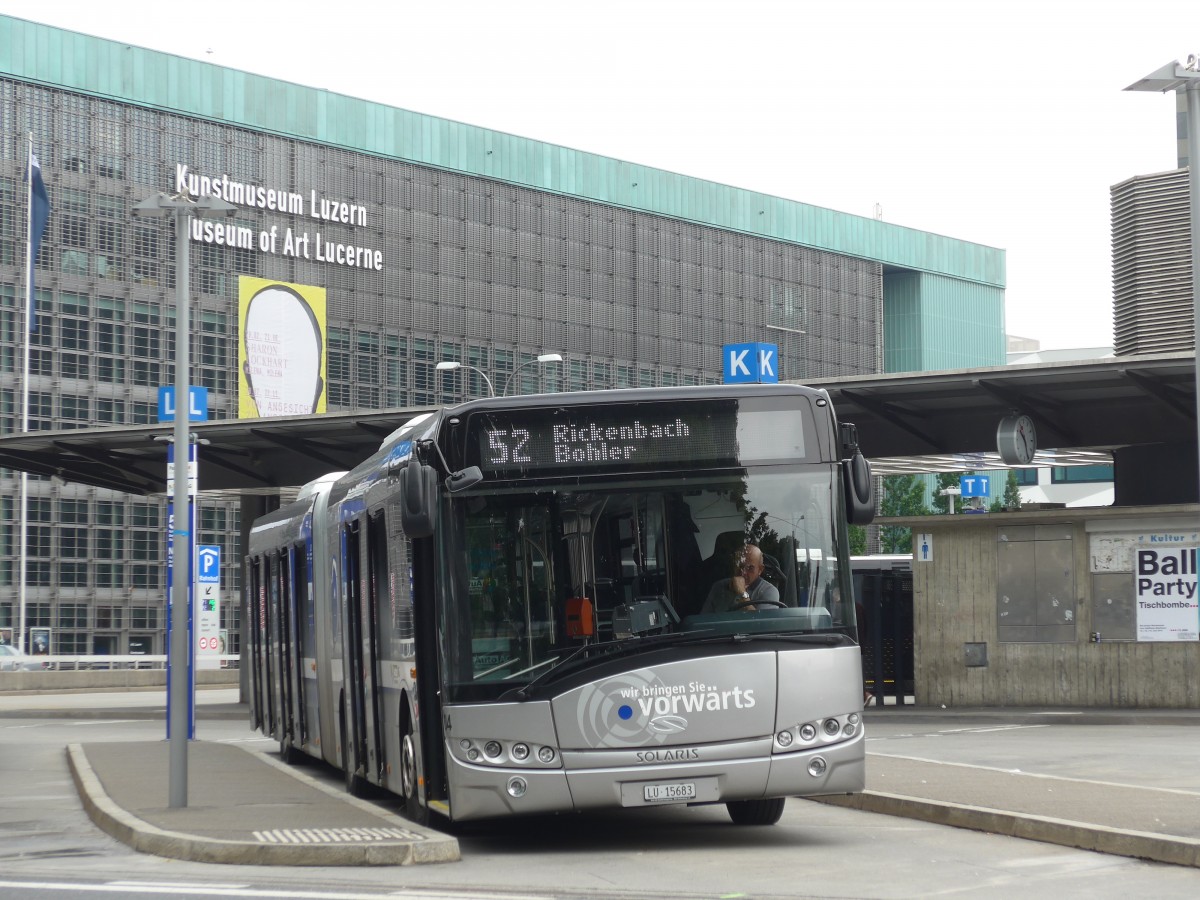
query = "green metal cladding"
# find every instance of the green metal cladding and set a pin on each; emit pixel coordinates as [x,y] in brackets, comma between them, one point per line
[931,323]
[123,73]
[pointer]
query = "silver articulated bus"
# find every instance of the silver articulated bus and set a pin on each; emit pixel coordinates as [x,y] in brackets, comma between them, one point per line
[533,604]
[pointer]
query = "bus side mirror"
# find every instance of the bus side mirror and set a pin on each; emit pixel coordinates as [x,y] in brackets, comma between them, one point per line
[860,492]
[418,499]
[466,478]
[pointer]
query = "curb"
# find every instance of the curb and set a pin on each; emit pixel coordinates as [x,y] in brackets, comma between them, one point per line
[917,715]
[147,838]
[1180,851]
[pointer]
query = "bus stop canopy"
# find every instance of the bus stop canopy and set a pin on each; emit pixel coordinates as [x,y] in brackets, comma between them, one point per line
[1082,410]
[241,456]
[923,421]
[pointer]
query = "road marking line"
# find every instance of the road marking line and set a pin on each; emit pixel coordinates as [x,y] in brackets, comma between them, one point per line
[981,729]
[1136,787]
[334,835]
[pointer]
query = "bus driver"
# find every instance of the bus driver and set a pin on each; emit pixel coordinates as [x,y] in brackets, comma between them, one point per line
[746,588]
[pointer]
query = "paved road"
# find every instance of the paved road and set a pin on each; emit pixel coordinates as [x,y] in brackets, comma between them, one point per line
[1045,776]
[816,850]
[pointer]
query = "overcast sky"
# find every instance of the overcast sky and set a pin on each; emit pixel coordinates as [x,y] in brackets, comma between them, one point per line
[999,123]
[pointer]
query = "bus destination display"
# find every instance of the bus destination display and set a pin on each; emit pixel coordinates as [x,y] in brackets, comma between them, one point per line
[631,437]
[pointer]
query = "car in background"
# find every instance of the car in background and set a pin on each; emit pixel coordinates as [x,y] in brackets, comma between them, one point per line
[13,659]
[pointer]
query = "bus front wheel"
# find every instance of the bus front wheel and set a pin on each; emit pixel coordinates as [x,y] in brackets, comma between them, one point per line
[413,810]
[755,812]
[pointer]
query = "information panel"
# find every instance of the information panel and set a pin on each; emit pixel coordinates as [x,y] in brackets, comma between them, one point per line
[207,626]
[637,436]
[1167,608]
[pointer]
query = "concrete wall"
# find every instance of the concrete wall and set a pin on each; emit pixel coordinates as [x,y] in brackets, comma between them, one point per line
[957,619]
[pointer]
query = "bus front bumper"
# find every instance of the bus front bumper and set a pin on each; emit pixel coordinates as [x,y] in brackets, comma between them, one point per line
[585,782]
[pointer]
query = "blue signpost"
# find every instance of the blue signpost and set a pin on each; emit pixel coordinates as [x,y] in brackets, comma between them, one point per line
[975,488]
[197,404]
[975,485]
[197,412]
[186,572]
[753,363]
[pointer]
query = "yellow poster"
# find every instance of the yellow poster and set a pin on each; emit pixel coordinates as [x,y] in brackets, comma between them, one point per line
[281,348]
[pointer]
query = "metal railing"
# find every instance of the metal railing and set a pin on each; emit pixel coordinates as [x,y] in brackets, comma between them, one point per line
[97,662]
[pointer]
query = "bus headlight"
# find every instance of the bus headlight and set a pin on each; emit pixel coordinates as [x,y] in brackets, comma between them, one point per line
[517,786]
[819,732]
[817,766]
[501,752]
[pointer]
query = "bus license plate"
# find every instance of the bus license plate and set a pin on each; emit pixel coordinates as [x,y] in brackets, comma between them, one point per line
[685,791]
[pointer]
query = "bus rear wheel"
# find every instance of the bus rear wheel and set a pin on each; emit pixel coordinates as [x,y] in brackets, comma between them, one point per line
[287,753]
[756,812]
[355,786]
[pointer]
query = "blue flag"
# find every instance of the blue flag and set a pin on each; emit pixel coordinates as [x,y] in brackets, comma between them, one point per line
[39,213]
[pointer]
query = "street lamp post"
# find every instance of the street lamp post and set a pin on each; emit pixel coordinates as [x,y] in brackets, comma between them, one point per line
[181,208]
[451,365]
[1176,77]
[540,360]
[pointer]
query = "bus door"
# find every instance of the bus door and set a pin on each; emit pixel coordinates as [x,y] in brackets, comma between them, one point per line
[377,607]
[252,652]
[325,562]
[423,564]
[274,639]
[361,681]
[287,648]
[261,639]
[303,649]
[266,723]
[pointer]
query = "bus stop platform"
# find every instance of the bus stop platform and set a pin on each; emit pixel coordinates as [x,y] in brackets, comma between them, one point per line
[243,807]
[1155,823]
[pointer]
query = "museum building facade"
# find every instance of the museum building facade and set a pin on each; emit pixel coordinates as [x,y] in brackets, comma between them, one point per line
[431,240]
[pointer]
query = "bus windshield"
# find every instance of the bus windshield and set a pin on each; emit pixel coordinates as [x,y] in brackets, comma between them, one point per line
[646,553]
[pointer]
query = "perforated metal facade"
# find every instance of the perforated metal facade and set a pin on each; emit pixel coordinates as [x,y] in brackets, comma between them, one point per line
[1152,264]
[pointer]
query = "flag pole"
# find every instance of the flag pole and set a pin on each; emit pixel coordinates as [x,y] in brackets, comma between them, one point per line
[30,300]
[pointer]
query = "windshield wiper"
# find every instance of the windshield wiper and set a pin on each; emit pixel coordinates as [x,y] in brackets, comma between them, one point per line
[522,692]
[827,639]
[615,647]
